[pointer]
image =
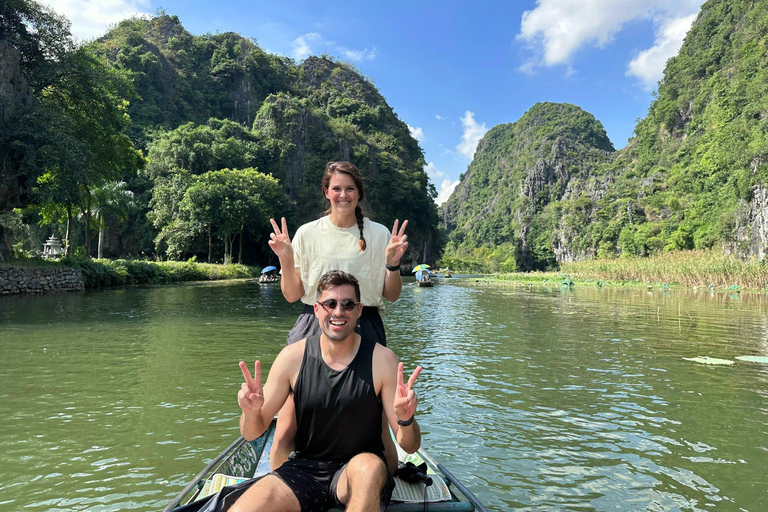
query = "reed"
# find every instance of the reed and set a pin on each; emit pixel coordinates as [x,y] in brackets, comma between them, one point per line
[696,268]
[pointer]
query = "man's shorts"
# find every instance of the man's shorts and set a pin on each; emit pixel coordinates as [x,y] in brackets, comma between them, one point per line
[314,483]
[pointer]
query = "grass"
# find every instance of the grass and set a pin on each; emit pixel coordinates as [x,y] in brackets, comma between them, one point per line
[102,273]
[692,269]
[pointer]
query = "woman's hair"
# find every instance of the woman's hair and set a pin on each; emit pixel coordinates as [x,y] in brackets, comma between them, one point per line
[349,169]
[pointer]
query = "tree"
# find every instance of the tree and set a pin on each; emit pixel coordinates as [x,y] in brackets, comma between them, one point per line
[111,198]
[33,41]
[219,144]
[88,145]
[227,202]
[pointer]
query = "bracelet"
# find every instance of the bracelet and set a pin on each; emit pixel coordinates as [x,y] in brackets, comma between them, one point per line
[406,422]
[393,268]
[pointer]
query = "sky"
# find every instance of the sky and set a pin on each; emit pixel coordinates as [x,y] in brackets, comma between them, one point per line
[453,69]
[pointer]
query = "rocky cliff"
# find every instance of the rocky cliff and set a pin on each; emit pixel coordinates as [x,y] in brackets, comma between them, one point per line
[552,153]
[694,175]
[16,103]
[301,115]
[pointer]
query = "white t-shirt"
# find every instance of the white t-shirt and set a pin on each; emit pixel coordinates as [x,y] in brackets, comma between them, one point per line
[319,246]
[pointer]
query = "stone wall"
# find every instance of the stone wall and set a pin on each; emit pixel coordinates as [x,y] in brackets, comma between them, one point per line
[15,280]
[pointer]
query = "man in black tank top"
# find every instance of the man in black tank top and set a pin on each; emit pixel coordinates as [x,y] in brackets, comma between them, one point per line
[341,385]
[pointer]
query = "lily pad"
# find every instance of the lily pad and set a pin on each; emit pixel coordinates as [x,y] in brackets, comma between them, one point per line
[708,360]
[753,359]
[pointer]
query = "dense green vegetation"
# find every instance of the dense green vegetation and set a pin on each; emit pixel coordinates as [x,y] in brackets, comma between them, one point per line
[502,215]
[99,273]
[694,176]
[193,142]
[169,145]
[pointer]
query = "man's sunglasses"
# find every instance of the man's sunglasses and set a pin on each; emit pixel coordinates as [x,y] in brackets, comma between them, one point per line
[347,305]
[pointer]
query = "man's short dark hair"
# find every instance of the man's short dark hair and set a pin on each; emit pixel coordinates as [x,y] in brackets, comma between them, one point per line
[334,278]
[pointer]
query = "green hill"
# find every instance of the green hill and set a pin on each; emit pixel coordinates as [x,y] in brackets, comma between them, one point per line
[549,188]
[299,116]
[200,104]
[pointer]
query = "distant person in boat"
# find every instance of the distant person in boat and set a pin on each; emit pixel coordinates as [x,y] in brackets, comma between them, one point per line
[342,239]
[340,386]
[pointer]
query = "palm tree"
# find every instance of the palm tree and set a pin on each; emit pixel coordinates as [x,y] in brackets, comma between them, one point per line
[112,198]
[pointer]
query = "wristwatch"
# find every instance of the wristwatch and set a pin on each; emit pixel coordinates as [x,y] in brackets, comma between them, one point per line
[406,422]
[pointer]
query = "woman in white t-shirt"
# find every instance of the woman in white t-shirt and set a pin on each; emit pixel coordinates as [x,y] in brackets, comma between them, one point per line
[343,239]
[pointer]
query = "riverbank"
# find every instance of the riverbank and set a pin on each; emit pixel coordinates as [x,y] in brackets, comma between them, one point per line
[107,273]
[688,269]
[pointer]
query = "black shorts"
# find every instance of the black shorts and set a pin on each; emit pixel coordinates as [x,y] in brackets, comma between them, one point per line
[369,326]
[314,483]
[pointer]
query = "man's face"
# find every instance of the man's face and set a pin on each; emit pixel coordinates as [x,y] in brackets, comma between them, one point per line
[339,321]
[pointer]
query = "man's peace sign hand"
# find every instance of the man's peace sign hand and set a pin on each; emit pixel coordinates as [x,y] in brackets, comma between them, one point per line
[398,244]
[279,241]
[250,398]
[405,397]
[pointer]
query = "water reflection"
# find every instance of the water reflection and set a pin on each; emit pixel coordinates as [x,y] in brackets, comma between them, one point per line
[537,398]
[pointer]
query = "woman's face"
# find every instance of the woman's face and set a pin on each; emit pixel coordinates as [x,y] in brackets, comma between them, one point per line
[342,193]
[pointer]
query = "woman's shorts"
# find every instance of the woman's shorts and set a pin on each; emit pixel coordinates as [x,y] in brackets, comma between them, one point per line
[369,326]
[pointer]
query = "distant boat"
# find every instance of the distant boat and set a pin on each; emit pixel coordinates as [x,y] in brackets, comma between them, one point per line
[244,460]
[423,277]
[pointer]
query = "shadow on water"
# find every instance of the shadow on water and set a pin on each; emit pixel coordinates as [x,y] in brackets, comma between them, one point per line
[537,398]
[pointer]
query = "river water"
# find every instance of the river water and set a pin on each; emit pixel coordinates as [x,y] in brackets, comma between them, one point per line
[537,398]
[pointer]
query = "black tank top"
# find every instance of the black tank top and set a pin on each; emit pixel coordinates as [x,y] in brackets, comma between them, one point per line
[337,411]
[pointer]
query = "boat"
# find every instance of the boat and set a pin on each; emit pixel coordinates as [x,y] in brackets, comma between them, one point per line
[244,460]
[423,277]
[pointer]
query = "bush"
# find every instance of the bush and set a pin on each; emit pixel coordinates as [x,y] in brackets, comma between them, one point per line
[102,273]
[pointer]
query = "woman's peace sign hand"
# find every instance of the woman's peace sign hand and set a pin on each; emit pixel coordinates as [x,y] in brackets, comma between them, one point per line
[398,244]
[279,241]
[250,398]
[405,397]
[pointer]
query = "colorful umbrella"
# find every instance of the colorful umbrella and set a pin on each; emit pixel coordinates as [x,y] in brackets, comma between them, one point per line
[423,266]
[268,269]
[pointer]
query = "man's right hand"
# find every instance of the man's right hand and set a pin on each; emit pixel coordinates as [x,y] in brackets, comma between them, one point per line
[250,398]
[279,241]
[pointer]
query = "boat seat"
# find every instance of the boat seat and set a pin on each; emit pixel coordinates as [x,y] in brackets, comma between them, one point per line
[406,492]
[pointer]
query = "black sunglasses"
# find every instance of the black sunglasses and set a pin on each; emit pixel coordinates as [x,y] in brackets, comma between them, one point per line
[347,305]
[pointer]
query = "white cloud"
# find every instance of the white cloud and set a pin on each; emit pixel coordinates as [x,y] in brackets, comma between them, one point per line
[446,189]
[446,185]
[648,66]
[91,18]
[555,29]
[439,117]
[473,132]
[314,44]
[416,132]
[301,48]
[433,172]
[359,55]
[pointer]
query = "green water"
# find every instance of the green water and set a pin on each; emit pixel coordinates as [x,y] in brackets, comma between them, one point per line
[537,398]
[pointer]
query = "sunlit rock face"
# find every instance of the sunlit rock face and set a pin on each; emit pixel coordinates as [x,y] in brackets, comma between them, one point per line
[750,236]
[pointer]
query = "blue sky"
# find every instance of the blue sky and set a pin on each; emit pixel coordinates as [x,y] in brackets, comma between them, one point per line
[454,69]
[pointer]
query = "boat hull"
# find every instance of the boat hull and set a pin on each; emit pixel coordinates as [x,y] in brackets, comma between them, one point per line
[249,459]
